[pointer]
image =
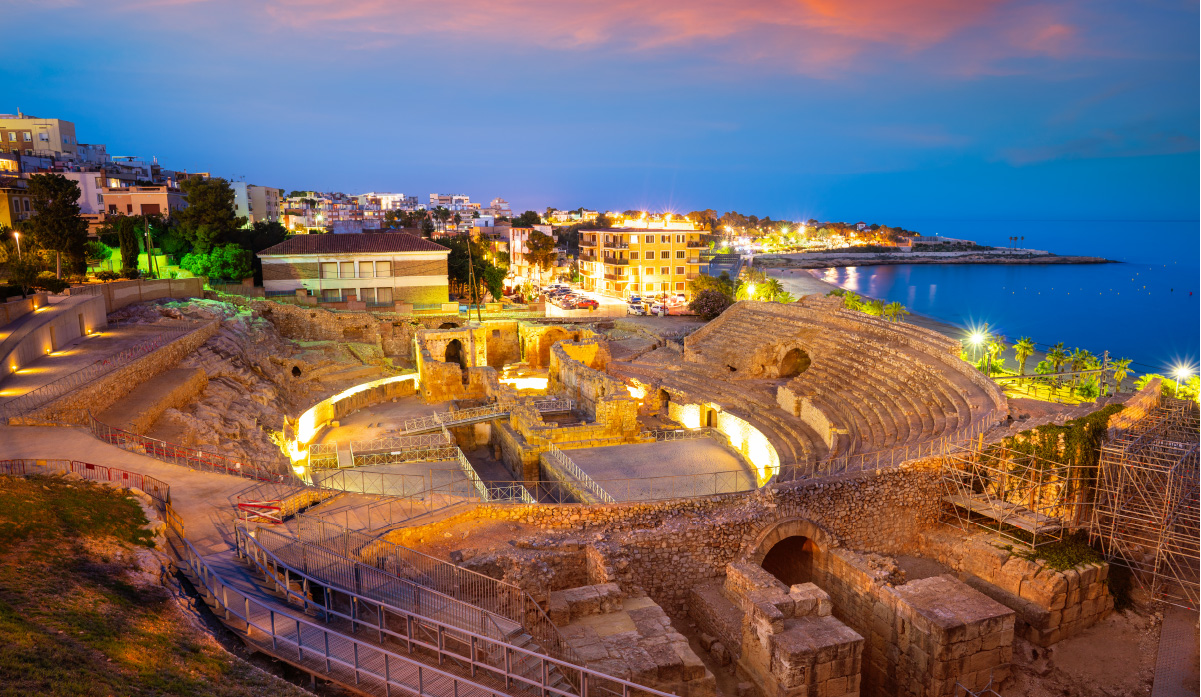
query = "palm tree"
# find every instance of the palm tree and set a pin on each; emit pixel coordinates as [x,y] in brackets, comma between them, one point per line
[852,301]
[1057,356]
[1080,359]
[1023,349]
[875,308]
[770,288]
[996,346]
[785,297]
[1120,368]
[894,311]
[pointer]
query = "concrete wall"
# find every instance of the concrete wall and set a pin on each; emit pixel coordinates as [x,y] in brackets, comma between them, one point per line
[118,294]
[19,307]
[51,328]
[104,391]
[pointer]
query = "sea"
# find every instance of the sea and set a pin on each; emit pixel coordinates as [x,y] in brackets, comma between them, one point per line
[1144,307]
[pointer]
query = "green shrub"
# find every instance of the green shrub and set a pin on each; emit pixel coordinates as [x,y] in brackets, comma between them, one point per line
[130,273]
[107,275]
[49,282]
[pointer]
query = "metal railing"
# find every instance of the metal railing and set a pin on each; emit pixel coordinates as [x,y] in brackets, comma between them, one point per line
[51,391]
[157,489]
[187,457]
[497,597]
[893,457]
[568,465]
[432,447]
[468,470]
[369,582]
[323,455]
[488,411]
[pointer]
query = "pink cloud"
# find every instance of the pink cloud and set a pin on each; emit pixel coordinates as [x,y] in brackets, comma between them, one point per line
[812,36]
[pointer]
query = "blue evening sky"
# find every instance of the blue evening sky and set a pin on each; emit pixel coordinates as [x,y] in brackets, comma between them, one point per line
[836,109]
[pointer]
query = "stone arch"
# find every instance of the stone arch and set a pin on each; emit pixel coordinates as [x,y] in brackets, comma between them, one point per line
[449,325]
[454,353]
[664,400]
[781,530]
[295,371]
[547,340]
[794,362]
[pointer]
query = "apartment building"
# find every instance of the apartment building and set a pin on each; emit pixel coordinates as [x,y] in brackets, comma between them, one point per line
[256,203]
[15,204]
[143,200]
[647,260]
[29,135]
[378,268]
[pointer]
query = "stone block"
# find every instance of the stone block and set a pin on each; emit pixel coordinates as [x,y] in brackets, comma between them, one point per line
[670,664]
[691,666]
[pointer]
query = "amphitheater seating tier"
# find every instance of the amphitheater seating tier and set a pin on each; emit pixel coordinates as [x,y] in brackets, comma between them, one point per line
[887,384]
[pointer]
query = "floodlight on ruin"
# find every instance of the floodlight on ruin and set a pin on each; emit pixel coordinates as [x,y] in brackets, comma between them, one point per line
[1182,372]
[976,338]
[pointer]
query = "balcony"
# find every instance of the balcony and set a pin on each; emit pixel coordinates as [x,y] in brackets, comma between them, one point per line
[587,257]
[617,262]
[586,243]
[691,276]
[697,244]
[615,277]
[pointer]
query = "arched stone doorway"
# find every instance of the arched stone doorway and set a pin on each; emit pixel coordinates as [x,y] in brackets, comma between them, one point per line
[794,362]
[791,560]
[546,341]
[454,353]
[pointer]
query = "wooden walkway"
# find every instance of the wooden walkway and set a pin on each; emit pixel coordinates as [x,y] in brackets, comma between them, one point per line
[1007,513]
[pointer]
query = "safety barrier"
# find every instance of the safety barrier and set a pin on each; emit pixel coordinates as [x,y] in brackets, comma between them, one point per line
[497,597]
[893,457]
[185,456]
[568,465]
[155,488]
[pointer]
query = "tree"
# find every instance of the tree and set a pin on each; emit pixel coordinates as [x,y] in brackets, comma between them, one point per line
[996,346]
[226,262]
[541,253]
[894,311]
[123,233]
[1120,368]
[1023,349]
[23,271]
[527,219]
[1057,356]
[709,303]
[210,216]
[1081,359]
[771,288]
[256,238]
[852,301]
[463,260]
[875,307]
[602,221]
[427,227]
[785,297]
[56,224]
[721,284]
[394,220]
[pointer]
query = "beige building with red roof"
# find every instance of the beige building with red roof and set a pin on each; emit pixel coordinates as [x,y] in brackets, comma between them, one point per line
[378,268]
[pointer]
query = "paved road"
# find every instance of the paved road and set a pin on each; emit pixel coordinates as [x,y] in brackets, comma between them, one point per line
[204,500]
[1176,665]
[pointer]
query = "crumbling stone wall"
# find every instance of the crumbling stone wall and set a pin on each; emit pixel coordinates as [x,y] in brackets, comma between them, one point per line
[1051,605]
[576,372]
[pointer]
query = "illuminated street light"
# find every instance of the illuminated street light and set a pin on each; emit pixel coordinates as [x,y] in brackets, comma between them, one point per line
[17,237]
[1180,373]
[976,338]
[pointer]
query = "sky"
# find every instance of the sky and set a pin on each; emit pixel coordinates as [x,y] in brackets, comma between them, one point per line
[834,109]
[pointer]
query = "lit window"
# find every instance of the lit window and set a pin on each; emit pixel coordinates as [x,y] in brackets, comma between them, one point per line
[665,271]
[633,286]
[680,254]
[27,137]
[680,270]
[329,269]
[383,269]
[650,239]
[634,256]
[665,254]
[12,136]
[665,238]
[346,269]
[679,239]
[650,271]
[679,286]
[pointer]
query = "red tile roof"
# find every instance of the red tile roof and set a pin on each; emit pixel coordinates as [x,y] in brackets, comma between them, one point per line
[354,243]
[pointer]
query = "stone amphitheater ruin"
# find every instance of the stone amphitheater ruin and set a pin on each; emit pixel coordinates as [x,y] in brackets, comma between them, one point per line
[786,501]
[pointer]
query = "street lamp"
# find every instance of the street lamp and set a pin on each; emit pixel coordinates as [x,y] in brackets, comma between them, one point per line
[1181,372]
[17,237]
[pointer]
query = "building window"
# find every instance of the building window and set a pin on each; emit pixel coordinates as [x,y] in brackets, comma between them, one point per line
[346,269]
[679,239]
[27,137]
[665,238]
[633,286]
[329,269]
[367,295]
[129,208]
[650,239]
[650,271]
[44,137]
[680,270]
[665,254]
[383,295]
[365,270]
[12,136]
[680,254]
[331,295]
[679,286]
[383,269]
[665,271]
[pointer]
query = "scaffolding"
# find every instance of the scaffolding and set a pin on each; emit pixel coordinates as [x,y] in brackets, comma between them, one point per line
[1145,517]
[1029,500]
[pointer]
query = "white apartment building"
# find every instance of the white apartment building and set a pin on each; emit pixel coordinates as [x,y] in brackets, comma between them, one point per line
[256,203]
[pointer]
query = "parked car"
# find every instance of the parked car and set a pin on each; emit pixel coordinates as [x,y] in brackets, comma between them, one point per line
[657,308]
[587,303]
[636,309]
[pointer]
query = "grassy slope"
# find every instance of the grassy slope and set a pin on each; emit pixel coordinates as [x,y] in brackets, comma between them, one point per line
[74,620]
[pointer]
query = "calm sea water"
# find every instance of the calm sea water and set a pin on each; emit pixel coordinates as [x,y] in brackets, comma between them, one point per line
[1145,308]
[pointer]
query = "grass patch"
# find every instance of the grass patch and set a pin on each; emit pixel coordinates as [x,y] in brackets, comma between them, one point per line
[78,619]
[1064,554]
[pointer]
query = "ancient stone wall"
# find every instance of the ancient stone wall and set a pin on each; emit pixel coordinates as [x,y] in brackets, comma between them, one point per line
[101,393]
[1051,605]
[583,381]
